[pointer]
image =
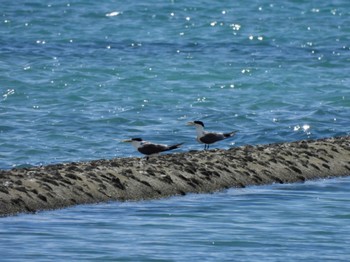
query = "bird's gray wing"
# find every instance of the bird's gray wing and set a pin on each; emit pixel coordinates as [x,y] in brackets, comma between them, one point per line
[209,138]
[149,149]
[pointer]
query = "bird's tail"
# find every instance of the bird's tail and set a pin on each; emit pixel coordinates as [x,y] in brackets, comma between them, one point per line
[226,135]
[174,146]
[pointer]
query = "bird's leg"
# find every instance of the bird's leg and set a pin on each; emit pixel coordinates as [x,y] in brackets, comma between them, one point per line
[143,162]
[142,166]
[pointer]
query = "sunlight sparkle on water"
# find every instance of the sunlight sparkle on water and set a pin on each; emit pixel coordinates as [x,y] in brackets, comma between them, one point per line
[113,14]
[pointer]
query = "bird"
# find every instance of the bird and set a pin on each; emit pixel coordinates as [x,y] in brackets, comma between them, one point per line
[148,148]
[208,138]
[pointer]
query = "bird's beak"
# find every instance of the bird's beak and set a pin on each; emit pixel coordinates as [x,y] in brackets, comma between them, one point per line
[127,141]
[190,124]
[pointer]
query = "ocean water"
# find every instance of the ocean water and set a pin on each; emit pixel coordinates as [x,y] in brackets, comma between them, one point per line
[292,222]
[77,77]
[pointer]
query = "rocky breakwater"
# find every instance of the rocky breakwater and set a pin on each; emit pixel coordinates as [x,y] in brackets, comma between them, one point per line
[121,179]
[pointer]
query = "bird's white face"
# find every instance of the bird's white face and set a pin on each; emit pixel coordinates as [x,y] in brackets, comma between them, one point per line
[134,143]
[199,128]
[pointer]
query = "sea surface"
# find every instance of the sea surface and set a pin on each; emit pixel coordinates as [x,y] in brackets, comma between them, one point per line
[291,222]
[77,77]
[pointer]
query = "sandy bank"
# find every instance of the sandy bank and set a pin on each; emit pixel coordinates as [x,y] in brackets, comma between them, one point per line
[62,185]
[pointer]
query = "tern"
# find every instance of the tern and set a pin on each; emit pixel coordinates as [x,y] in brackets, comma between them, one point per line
[148,148]
[208,138]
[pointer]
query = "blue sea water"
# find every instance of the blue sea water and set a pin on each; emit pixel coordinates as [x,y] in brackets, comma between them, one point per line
[292,222]
[76,77]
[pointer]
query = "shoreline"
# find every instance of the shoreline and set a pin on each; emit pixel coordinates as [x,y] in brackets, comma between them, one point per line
[28,190]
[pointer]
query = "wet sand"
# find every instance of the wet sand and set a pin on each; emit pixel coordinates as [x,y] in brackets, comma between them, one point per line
[122,179]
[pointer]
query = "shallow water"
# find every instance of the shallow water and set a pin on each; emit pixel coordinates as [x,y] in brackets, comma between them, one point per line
[291,222]
[77,77]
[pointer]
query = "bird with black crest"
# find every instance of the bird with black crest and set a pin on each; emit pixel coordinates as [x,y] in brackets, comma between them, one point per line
[208,138]
[148,148]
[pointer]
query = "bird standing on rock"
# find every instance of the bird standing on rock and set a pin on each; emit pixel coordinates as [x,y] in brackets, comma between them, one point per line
[148,148]
[208,138]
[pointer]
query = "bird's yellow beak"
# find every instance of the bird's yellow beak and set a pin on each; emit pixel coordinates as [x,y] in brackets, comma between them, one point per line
[127,141]
[190,124]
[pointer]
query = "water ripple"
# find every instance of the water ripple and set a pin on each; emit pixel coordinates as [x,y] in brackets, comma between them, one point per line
[303,221]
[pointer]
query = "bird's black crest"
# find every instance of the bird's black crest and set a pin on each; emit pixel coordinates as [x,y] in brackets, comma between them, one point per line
[199,123]
[136,139]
